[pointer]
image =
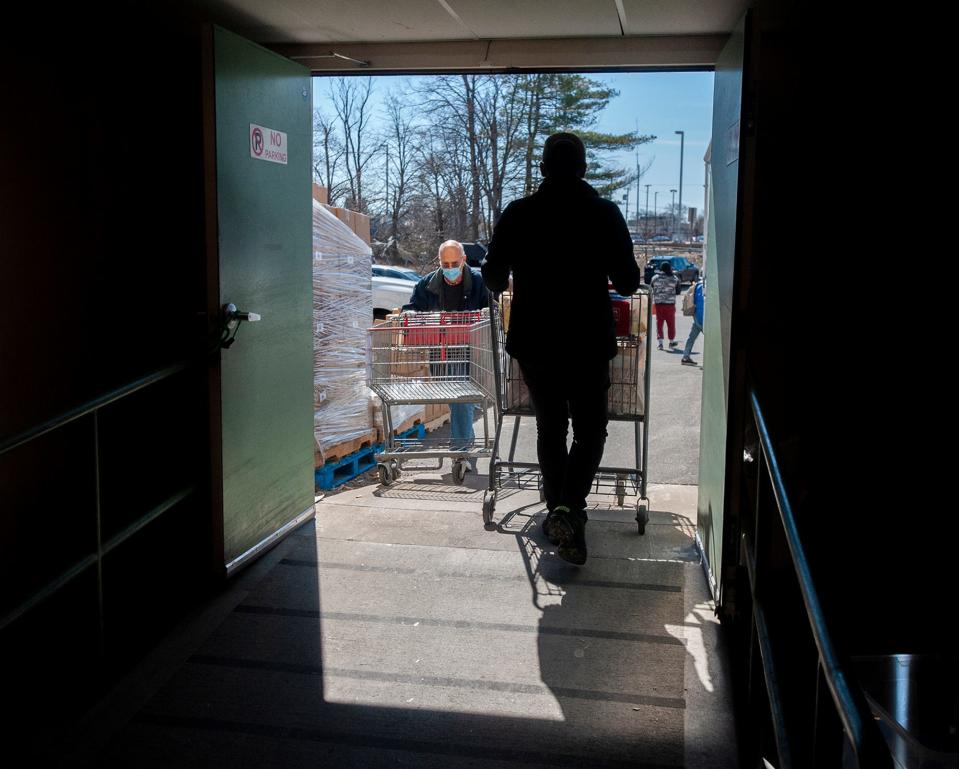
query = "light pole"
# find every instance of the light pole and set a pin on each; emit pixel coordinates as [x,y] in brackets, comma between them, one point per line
[682,144]
[656,212]
[637,193]
[626,202]
[646,233]
[674,214]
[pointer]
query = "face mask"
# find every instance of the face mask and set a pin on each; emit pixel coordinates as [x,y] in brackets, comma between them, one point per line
[452,273]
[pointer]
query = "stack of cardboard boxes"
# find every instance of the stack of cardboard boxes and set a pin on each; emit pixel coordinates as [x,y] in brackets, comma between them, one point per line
[405,362]
[342,308]
[357,222]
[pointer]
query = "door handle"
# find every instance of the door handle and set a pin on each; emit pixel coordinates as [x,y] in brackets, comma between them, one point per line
[231,313]
[230,322]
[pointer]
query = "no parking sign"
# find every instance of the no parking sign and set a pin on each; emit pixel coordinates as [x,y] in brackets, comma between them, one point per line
[267,144]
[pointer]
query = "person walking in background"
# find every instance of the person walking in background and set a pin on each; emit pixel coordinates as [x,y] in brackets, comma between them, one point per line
[697,329]
[663,286]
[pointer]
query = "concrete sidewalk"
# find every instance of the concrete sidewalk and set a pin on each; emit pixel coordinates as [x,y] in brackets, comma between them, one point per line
[394,630]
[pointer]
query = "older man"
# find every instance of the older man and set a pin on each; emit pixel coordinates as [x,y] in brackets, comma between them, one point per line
[453,287]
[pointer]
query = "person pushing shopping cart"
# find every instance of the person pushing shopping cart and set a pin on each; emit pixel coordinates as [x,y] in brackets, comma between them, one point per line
[563,245]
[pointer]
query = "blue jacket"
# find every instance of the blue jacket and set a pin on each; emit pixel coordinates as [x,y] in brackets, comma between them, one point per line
[699,302]
[428,293]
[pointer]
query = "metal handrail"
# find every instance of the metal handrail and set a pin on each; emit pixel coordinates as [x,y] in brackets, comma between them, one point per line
[88,408]
[853,710]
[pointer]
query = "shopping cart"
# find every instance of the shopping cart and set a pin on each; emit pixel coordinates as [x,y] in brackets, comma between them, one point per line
[431,357]
[628,401]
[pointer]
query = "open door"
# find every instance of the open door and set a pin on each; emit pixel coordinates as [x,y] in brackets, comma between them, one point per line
[258,154]
[719,260]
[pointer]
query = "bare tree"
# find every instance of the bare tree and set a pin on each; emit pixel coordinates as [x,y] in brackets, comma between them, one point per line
[534,86]
[351,100]
[452,101]
[401,139]
[327,154]
[501,115]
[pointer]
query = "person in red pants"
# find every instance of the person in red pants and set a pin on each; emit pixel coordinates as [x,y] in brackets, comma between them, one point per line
[664,284]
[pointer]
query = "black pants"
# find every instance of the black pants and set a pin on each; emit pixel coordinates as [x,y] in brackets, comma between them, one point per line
[559,393]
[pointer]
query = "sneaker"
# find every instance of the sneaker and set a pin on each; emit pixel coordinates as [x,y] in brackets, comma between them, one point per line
[552,535]
[673,345]
[567,532]
[574,549]
[659,346]
[688,361]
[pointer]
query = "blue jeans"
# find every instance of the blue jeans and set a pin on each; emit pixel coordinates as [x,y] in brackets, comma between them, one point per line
[461,424]
[694,332]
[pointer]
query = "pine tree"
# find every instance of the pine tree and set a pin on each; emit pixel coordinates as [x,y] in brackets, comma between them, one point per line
[570,102]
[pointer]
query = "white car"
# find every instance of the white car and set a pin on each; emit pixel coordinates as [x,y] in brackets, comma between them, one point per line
[390,294]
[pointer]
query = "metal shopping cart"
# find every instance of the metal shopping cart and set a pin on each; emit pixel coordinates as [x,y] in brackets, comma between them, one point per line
[628,401]
[431,357]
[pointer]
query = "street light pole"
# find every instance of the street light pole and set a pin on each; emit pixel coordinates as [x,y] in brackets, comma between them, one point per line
[682,144]
[646,233]
[656,212]
[674,214]
[637,193]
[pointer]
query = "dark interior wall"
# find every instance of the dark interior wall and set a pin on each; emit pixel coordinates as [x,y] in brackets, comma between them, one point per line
[102,207]
[101,282]
[822,319]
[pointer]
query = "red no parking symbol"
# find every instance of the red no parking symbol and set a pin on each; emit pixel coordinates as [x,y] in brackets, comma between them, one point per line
[257,140]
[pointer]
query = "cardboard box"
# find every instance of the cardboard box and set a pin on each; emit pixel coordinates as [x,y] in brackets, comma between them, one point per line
[516,391]
[437,411]
[361,226]
[320,194]
[343,214]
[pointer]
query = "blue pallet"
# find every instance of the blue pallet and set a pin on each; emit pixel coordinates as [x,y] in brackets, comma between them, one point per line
[416,431]
[334,474]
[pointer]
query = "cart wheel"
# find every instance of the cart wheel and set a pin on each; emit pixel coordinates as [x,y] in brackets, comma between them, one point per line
[459,471]
[386,476]
[489,505]
[395,470]
[642,517]
[621,491]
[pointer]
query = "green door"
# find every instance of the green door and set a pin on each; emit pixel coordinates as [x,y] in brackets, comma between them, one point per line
[258,155]
[720,249]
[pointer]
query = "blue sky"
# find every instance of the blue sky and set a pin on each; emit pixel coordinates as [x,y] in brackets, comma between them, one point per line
[662,103]
[657,103]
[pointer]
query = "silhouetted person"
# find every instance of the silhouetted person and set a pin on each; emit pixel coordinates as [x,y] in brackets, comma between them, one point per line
[563,244]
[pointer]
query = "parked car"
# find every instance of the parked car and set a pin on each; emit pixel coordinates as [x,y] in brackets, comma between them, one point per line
[660,239]
[685,270]
[390,293]
[390,271]
[475,253]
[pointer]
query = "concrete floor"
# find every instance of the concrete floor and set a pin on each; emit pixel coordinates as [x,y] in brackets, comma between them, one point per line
[393,630]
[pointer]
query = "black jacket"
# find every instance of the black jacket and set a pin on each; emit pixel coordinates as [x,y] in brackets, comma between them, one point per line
[561,243]
[428,293]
